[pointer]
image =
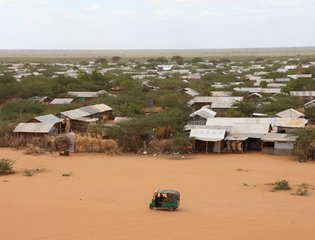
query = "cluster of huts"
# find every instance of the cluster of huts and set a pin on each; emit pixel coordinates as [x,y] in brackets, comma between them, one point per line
[76,120]
[264,134]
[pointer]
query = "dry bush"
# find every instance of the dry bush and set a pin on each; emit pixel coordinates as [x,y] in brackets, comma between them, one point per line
[33,149]
[96,145]
[162,146]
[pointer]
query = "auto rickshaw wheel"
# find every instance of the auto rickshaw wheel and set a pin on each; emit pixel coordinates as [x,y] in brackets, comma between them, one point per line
[171,209]
[150,206]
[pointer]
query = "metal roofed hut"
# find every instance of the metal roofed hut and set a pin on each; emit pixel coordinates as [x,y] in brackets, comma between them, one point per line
[200,116]
[49,118]
[101,111]
[217,104]
[79,120]
[207,140]
[34,133]
[277,143]
[246,137]
[86,96]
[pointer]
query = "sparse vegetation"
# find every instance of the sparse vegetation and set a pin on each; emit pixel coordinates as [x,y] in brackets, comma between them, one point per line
[281,185]
[302,190]
[32,172]
[304,148]
[6,167]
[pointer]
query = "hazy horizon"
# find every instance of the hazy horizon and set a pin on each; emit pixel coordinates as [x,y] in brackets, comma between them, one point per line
[156,24]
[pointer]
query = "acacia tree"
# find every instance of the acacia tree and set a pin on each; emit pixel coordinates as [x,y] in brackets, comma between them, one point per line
[178,59]
[304,147]
[116,59]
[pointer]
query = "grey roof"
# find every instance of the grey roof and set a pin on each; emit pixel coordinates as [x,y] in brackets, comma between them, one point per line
[217,102]
[120,119]
[204,113]
[236,137]
[87,94]
[283,79]
[309,104]
[258,90]
[191,92]
[274,122]
[33,128]
[259,115]
[220,94]
[290,113]
[302,93]
[243,131]
[98,108]
[87,119]
[48,119]
[75,114]
[296,76]
[240,128]
[232,121]
[290,122]
[62,101]
[210,135]
[278,137]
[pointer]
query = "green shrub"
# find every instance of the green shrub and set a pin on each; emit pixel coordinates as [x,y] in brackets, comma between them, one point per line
[281,185]
[6,166]
[28,172]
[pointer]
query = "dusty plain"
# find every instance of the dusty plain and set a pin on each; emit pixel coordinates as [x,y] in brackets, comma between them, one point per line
[222,197]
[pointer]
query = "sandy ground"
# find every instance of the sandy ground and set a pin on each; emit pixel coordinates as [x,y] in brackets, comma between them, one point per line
[107,197]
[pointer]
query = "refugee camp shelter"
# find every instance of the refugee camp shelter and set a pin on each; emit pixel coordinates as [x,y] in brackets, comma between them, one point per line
[246,137]
[86,96]
[207,140]
[101,111]
[290,113]
[200,116]
[218,104]
[79,120]
[33,129]
[277,143]
[57,101]
[287,125]
[52,119]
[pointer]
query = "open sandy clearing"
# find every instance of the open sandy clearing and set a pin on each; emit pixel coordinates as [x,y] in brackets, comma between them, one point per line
[107,198]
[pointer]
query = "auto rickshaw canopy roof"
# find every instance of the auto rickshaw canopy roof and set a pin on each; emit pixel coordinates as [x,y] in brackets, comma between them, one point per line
[175,194]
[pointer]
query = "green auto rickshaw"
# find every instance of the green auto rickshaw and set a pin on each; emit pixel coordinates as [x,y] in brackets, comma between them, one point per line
[165,199]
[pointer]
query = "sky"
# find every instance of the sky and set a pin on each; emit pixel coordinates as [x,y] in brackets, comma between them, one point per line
[156,24]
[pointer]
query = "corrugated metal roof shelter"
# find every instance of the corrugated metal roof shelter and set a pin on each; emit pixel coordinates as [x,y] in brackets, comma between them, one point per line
[62,101]
[75,114]
[208,135]
[86,94]
[191,92]
[48,119]
[98,108]
[34,128]
[275,143]
[278,137]
[239,128]
[258,90]
[310,104]
[290,122]
[241,131]
[204,113]
[208,140]
[232,121]
[302,93]
[290,113]
[217,102]
[221,94]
